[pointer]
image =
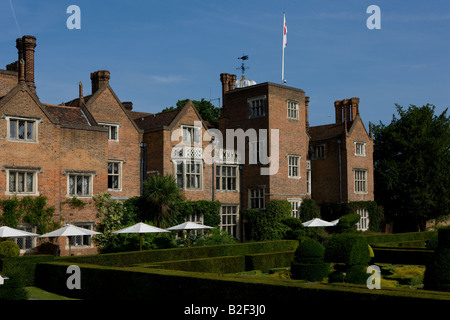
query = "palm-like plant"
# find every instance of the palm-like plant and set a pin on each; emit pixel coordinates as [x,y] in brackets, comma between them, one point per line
[160,193]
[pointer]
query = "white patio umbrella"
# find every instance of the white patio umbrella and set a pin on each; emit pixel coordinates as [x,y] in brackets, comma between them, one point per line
[7,232]
[188,226]
[140,228]
[316,222]
[335,222]
[69,230]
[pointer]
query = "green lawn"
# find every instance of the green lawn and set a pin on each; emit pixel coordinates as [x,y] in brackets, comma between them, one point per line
[39,294]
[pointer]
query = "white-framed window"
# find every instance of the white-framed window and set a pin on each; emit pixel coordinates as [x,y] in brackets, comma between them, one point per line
[256,197]
[363,224]
[294,166]
[226,178]
[22,129]
[360,180]
[189,174]
[256,106]
[22,182]
[229,219]
[318,152]
[114,175]
[79,184]
[79,241]
[113,130]
[295,205]
[360,148]
[292,110]
[191,134]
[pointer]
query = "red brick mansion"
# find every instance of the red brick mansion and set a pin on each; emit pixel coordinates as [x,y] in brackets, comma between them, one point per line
[97,143]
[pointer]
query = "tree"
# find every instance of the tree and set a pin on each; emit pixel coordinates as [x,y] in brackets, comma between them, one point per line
[412,167]
[207,110]
[309,210]
[160,194]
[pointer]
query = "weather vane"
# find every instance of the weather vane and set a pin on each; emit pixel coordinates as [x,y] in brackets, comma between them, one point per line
[243,67]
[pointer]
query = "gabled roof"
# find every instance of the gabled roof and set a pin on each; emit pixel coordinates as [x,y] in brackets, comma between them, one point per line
[156,121]
[88,100]
[166,119]
[21,86]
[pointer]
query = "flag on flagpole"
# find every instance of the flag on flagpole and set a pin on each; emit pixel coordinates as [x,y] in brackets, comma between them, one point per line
[284,45]
[284,31]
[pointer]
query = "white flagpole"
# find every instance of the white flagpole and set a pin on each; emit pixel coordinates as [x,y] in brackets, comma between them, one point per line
[284,45]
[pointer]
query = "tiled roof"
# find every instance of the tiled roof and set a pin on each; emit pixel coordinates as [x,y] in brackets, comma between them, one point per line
[155,121]
[67,114]
[326,131]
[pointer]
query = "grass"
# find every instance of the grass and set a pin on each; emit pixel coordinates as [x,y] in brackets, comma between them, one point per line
[35,293]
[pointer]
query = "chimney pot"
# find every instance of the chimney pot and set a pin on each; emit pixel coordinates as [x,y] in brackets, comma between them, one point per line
[99,78]
[128,105]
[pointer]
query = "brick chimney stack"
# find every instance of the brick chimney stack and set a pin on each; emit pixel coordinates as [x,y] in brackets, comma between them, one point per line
[307,112]
[99,79]
[25,47]
[338,108]
[228,83]
[355,107]
[346,110]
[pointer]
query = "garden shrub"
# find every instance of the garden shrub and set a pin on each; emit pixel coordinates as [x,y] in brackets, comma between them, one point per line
[309,210]
[308,262]
[268,224]
[9,249]
[295,229]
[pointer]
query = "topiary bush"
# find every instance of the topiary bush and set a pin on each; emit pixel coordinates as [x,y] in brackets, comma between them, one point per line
[347,223]
[347,248]
[308,262]
[352,255]
[309,251]
[9,249]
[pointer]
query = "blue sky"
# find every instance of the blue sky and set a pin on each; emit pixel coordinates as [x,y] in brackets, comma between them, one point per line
[159,52]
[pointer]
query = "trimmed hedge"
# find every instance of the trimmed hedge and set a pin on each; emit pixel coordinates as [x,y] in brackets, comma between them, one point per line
[228,264]
[124,259]
[310,271]
[108,283]
[437,273]
[24,266]
[267,261]
[417,256]
[400,237]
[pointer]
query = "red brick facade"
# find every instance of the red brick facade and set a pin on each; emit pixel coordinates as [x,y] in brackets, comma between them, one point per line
[97,144]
